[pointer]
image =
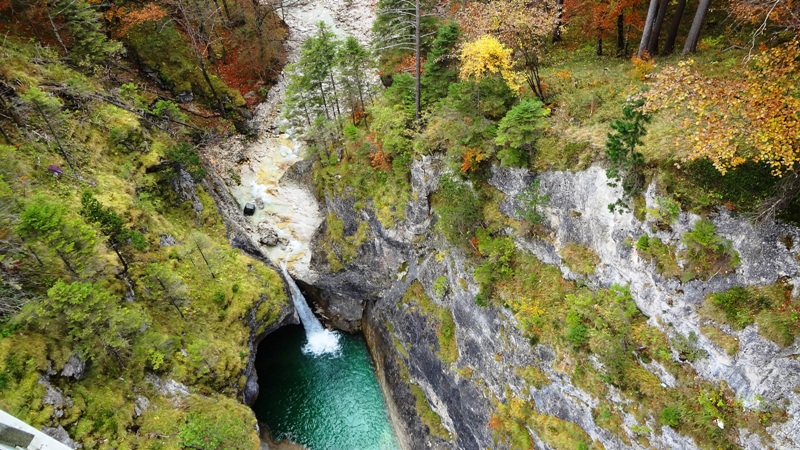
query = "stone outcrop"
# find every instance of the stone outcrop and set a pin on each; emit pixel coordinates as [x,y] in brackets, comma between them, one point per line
[490,346]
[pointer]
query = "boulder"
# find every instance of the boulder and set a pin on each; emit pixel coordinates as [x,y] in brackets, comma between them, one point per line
[75,368]
[267,234]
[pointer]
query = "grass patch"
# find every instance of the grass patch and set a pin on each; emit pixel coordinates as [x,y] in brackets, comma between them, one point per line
[429,417]
[772,307]
[579,259]
[340,249]
[533,376]
[721,339]
[663,255]
[445,324]
[510,422]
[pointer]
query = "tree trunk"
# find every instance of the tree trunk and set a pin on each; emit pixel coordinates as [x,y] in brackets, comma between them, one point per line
[417,86]
[697,24]
[559,15]
[67,263]
[669,44]
[620,36]
[648,26]
[598,47]
[55,31]
[652,46]
[55,137]
[208,265]
[5,135]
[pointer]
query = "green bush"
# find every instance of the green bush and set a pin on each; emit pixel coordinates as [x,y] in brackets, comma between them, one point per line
[518,130]
[459,210]
[626,162]
[530,202]
[663,254]
[708,254]
[687,347]
[670,416]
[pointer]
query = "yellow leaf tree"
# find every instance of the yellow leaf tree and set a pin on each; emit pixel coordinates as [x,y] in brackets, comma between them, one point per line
[521,25]
[487,57]
[750,117]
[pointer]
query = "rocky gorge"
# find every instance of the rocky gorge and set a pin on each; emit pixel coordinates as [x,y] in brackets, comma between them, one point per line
[404,283]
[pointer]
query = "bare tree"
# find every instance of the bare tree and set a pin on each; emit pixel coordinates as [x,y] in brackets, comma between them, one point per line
[648,27]
[697,24]
[400,26]
[669,44]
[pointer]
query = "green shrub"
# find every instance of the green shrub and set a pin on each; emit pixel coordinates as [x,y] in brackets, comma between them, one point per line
[706,253]
[739,305]
[459,210]
[440,286]
[518,130]
[687,347]
[662,254]
[670,416]
[530,202]
[626,162]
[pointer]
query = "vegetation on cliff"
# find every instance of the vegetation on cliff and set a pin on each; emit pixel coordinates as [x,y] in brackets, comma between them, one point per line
[510,83]
[125,316]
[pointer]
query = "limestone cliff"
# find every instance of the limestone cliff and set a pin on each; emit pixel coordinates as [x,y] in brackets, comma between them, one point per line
[447,401]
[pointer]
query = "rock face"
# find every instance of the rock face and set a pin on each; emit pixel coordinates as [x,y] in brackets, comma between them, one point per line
[404,344]
[75,368]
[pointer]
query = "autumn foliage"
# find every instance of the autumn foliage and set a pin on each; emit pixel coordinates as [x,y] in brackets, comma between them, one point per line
[125,17]
[486,57]
[752,117]
[471,159]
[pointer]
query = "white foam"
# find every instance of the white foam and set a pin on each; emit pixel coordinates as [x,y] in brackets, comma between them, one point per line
[319,340]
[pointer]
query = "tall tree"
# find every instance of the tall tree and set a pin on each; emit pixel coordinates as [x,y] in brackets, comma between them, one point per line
[674,26]
[112,226]
[523,26]
[697,24]
[354,63]
[648,27]
[402,26]
[652,46]
[90,45]
[441,65]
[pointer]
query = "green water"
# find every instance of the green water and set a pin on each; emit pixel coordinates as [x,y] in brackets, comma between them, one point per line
[325,402]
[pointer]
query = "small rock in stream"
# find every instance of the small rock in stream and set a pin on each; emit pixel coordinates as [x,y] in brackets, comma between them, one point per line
[267,234]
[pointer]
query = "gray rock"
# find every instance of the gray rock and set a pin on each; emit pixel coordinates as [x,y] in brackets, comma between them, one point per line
[184,96]
[61,435]
[75,368]
[267,235]
[54,397]
[490,344]
[167,240]
[167,388]
[140,405]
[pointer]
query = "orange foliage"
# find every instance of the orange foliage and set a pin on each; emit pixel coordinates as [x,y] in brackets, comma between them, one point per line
[736,119]
[126,18]
[784,13]
[495,422]
[380,160]
[598,18]
[409,65]
[471,158]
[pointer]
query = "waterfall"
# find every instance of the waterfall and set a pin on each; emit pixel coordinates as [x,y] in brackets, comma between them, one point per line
[319,340]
